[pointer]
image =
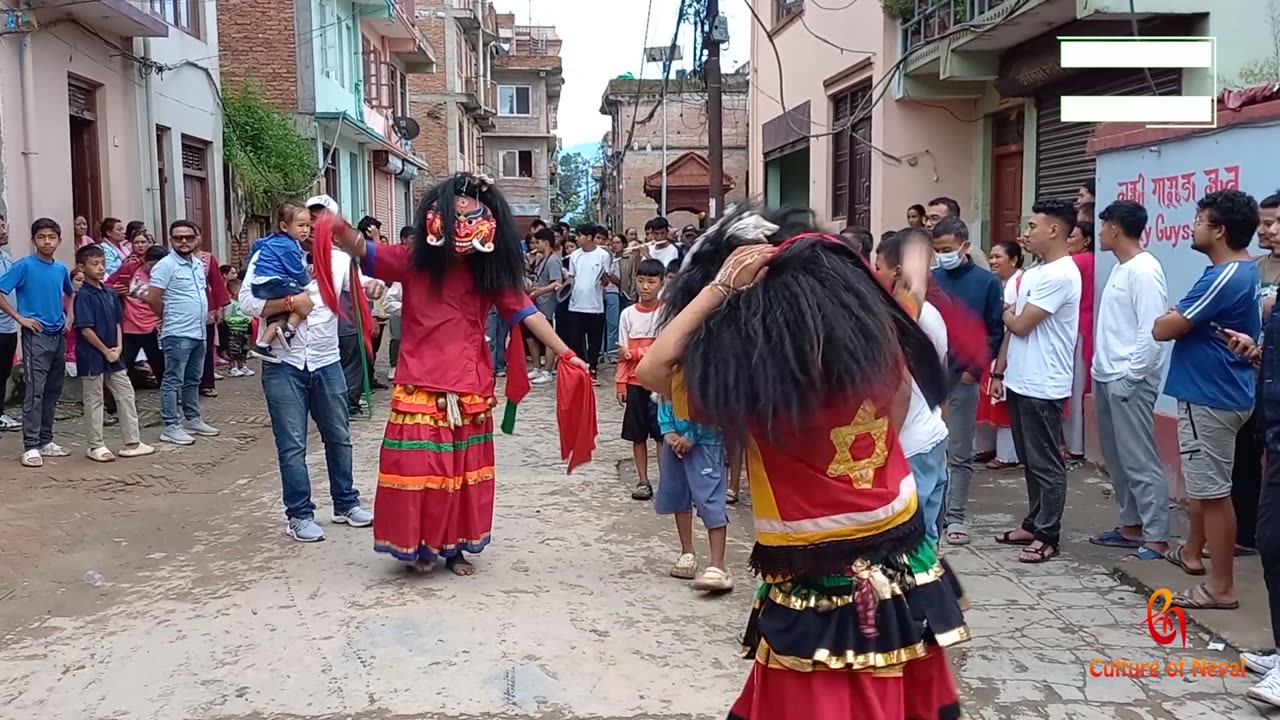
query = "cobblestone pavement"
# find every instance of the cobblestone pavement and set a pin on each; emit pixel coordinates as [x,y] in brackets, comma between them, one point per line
[207,610]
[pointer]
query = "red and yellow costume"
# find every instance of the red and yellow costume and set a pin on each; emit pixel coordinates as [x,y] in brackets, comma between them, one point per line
[435,472]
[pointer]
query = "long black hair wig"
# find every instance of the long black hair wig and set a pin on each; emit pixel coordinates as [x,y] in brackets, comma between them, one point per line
[816,328]
[502,269]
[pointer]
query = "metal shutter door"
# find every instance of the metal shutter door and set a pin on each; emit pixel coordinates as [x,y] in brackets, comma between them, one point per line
[382,207]
[1062,159]
[402,206]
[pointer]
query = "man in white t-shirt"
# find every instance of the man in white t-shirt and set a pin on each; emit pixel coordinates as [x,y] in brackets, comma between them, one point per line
[923,436]
[1128,364]
[1040,359]
[662,249]
[589,270]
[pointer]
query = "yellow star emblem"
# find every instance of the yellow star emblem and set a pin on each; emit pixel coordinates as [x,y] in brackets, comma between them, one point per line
[865,429]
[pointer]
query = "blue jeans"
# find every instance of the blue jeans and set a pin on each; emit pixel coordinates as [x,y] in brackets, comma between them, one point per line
[930,471]
[291,395]
[612,309]
[496,329]
[183,368]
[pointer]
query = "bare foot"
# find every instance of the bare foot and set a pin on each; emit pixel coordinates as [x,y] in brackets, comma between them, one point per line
[460,566]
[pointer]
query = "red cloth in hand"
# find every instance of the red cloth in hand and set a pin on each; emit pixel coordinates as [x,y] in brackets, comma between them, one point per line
[322,236]
[517,382]
[967,338]
[575,412]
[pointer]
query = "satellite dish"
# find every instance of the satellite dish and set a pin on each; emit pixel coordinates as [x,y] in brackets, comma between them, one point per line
[406,127]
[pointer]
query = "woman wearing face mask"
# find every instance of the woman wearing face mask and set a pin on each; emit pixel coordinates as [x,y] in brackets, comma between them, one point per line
[994,435]
[1080,245]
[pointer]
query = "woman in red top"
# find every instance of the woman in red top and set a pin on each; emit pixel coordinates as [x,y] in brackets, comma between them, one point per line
[786,340]
[436,468]
[1080,245]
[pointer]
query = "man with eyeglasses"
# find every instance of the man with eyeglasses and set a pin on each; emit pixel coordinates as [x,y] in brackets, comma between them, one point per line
[178,296]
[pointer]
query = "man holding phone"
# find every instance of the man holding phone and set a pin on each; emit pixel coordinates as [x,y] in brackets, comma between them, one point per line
[1214,388]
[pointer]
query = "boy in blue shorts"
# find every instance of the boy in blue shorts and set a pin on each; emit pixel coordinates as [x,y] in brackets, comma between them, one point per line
[691,476]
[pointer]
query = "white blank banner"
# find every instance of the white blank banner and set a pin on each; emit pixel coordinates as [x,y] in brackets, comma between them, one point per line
[1138,109]
[1188,53]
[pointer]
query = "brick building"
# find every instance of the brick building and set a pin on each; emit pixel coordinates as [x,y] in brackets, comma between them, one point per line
[344,67]
[630,184]
[458,102]
[523,144]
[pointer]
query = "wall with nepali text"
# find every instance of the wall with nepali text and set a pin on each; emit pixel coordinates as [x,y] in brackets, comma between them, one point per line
[1168,178]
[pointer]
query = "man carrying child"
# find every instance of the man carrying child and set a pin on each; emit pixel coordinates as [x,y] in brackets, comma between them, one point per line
[99,347]
[43,289]
[637,328]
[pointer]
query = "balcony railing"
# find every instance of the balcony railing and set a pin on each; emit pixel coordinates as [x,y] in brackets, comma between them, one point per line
[924,21]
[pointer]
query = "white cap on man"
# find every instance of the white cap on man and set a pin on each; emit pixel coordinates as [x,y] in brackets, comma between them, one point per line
[326,202]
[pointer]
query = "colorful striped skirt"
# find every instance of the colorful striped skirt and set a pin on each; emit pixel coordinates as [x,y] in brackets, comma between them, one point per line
[435,476]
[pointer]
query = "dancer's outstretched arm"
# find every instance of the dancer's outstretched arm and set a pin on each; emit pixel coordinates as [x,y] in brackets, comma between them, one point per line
[541,329]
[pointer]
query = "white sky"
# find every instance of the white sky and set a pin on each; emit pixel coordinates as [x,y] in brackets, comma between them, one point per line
[605,38]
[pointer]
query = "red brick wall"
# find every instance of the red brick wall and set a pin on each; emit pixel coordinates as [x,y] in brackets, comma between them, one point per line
[257,41]
[432,114]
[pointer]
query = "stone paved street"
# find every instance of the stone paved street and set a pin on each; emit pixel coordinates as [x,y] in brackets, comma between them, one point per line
[208,611]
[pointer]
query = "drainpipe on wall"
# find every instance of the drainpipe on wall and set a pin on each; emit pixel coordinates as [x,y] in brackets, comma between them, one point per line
[28,81]
[147,142]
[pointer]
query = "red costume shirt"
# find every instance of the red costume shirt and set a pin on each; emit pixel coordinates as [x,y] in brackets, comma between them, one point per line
[442,345]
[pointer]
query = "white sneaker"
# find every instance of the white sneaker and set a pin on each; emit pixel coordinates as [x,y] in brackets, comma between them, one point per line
[535,373]
[1259,663]
[8,423]
[391,374]
[1268,689]
[247,372]
[543,377]
[235,372]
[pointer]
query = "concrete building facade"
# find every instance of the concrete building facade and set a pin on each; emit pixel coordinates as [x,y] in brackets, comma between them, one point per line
[523,145]
[69,127]
[630,182]
[456,104]
[344,68]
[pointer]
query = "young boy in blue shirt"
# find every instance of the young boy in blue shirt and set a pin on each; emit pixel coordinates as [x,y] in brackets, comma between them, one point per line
[691,476]
[99,346]
[43,289]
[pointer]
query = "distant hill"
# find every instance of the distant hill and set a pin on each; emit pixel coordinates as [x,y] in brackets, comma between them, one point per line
[589,150]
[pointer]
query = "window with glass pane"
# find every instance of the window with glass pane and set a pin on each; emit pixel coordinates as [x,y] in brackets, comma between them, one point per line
[513,100]
[182,14]
[517,164]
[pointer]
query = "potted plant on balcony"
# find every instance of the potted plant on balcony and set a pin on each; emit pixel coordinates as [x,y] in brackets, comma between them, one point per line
[902,10]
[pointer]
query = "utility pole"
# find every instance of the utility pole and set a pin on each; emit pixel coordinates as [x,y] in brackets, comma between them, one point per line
[715,111]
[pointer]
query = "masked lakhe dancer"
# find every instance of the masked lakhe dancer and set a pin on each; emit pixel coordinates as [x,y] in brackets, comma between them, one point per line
[436,470]
[782,337]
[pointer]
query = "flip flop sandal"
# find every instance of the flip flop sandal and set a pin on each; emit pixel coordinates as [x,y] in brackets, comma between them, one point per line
[1175,556]
[1002,465]
[643,491]
[1008,539]
[1114,538]
[1199,598]
[957,535]
[1144,553]
[101,454]
[1240,551]
[1042,554]
[730,497]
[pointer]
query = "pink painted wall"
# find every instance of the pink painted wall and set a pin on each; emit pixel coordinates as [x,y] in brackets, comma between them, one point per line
[57,52]
[939,144]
